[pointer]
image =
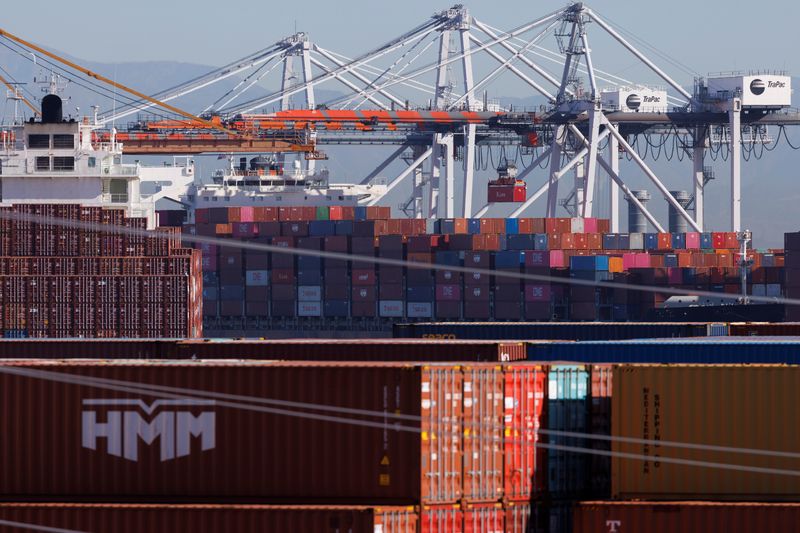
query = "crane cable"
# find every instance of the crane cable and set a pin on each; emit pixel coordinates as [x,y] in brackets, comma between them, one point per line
[100,77]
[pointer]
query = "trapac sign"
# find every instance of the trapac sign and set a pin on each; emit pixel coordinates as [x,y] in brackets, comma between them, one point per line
[123,426]
[757,91]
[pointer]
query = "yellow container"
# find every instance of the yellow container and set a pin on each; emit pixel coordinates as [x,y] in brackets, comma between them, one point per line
[750,408]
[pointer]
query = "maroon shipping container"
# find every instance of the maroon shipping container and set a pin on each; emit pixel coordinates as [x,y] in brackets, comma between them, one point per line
[601,377]
[337,350]
[138,518]
[130,431]
[686,517]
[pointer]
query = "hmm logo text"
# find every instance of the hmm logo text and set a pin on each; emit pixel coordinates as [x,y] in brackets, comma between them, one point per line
[174,426]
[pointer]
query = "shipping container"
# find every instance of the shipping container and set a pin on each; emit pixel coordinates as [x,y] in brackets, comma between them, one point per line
[551,331]
[750,411]
[153,518]
[686,517]
[138,440]
[711,350]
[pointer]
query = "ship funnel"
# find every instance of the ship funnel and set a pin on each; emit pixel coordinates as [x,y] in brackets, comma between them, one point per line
[637,222]
[51,109]
[678,224]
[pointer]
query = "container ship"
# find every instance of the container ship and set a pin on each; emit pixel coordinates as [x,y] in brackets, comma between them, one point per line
[80,251]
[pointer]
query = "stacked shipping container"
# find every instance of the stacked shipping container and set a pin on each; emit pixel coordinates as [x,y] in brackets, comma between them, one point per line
[92,280]
[334,291]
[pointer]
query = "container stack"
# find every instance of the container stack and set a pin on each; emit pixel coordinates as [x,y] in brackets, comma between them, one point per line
[91,281]
[792,280]
[362,294]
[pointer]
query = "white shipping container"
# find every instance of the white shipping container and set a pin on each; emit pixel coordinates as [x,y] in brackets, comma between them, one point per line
[309,308]
[309,293]
[636,241]
[576,225]
[391,308]
[420,310]
[257,278]
[759,90]
[634,99]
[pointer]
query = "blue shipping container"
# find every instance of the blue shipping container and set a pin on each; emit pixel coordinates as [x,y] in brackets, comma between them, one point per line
[360,212]
[712,350]
[706,241]
[651,241]
[590,263]
[678,241]
[473,226]
[610,241]
[448,258]
[508,259]
[420,294]
[309,262]
[344,227]
[624,241]
[309,277]
[512,226]
[336,308]
[520,242]
[670,260]
[540,239]
[321,228]
[232,293]
[567,410]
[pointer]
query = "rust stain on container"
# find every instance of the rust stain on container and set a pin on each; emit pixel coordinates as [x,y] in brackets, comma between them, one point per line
[686,517]
[231,431]
[744,407]
[116,518]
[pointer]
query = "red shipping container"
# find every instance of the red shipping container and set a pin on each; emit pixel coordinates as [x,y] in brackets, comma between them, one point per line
[265,214]
[362,294]
[525,386]
[664,241]
[476,293]
[554,241]
[484,518]
[688,517]
[394,226]
[580,241]
[234,214]
[718,240]
[201,518]
[731,241]
[518,517]
[566,240]
[482,413]
[441,519]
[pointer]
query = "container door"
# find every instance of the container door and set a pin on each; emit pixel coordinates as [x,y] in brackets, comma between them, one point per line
[483,433]
[441,434]
[523,405]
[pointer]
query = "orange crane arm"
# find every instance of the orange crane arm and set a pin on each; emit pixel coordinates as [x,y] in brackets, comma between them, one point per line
[11,88]
[113,83]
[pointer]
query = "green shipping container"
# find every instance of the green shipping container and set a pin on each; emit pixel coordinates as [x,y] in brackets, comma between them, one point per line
[323,213]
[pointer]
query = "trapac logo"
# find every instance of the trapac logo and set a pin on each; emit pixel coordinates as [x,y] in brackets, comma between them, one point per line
[757,86]
[634,101]
[174,426]
[652,99]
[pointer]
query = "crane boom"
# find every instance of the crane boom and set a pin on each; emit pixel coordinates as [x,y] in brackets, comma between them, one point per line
[27,102]
[113,83]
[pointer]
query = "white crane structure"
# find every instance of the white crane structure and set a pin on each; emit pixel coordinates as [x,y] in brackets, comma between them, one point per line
[446,65]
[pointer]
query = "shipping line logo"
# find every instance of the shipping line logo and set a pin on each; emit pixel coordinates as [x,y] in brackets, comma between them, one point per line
[174,426]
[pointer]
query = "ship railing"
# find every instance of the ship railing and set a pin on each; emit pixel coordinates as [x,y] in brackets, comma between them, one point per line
[115,198]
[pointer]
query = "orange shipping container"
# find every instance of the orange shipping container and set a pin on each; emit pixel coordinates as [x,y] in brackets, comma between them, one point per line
[615,264]
[483,432]
[201,518]
[461,226]
[745,407]
[224,229]
[685,517]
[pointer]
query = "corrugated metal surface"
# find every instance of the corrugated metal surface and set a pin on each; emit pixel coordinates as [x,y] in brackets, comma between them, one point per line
[764,329]
[62,440]
[484,518]
[483,432]
[115,518]
[550,331]
[686,517]
[518,516]
[310,349]
[716,350]
[523,408]
[441,519]
[567,399]
[752,407]
[599,466]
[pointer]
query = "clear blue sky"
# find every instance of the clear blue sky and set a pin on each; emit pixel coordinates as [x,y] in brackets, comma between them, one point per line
[711,35]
